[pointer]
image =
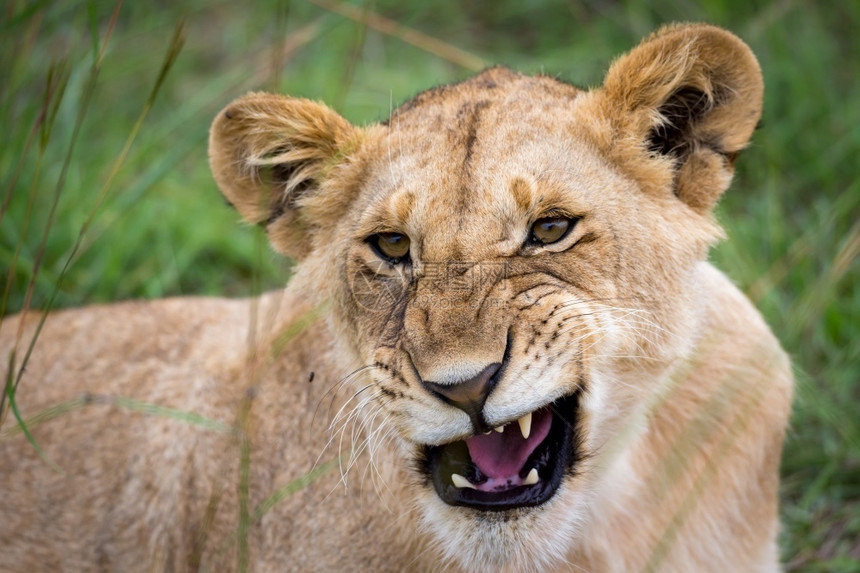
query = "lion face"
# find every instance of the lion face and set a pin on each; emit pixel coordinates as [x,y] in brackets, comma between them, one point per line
[491,297]
[510,261]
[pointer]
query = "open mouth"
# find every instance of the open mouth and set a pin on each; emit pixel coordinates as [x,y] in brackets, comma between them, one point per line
[518,465]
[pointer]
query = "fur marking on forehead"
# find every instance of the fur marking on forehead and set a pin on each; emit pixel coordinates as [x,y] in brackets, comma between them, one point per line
[402,204]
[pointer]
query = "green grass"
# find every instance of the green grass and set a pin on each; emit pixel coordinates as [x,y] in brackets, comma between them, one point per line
[162,228]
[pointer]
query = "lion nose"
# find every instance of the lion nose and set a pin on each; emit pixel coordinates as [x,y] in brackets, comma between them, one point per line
[470,394]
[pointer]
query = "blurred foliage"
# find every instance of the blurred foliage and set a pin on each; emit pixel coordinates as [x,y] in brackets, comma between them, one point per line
[162,229]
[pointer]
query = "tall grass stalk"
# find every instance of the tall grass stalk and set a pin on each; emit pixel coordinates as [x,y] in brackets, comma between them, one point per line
[99,49]
[13,381]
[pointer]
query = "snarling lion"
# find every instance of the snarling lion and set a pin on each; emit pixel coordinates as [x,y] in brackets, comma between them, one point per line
[502,349]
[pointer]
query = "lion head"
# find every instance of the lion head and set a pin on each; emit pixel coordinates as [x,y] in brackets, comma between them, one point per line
[512,259]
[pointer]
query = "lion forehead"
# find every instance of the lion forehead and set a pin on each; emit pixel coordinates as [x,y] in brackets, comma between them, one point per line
[494,84]
[497,106]
[482,157]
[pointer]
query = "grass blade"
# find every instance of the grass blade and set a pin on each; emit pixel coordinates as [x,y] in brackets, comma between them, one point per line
[145,408]
[170,59]
[411,36]
[9,391]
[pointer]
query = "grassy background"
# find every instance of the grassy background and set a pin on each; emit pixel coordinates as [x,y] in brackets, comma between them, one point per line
[155,224]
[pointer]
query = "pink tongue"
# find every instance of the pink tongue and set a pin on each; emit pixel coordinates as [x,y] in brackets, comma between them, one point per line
[503,455]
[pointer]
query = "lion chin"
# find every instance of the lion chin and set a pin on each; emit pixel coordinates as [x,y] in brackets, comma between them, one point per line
[502,348]
[532,539]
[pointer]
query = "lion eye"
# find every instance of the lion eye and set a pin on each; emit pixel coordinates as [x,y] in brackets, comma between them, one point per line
[393,247]
[550,230]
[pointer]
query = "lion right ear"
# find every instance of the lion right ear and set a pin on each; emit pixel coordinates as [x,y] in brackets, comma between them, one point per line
[270,153]
[689,96]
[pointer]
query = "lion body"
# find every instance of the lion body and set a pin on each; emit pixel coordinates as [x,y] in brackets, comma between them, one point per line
[296,431]
[135,489]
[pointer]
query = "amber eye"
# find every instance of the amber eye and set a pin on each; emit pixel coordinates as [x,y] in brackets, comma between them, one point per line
[393,247]
[550,230]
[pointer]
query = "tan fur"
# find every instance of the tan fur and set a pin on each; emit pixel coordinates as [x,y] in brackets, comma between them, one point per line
[685,393]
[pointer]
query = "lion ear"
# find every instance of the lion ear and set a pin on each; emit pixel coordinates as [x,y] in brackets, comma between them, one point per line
[691,95]
[270,154]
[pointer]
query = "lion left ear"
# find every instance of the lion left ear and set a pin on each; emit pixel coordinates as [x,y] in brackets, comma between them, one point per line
[691,95]
[273,156]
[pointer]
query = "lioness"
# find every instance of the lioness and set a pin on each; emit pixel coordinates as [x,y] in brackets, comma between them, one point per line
[502,349]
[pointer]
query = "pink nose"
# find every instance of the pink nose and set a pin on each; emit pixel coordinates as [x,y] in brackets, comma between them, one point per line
[470,394]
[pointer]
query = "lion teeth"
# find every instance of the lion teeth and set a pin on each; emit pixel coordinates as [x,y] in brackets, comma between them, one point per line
[526,425]
[531,479]
[500,429]
[461,482]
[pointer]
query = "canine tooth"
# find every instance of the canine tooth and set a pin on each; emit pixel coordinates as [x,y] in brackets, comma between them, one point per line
[531,479]
[500,429]
[526,425]
[461,482]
